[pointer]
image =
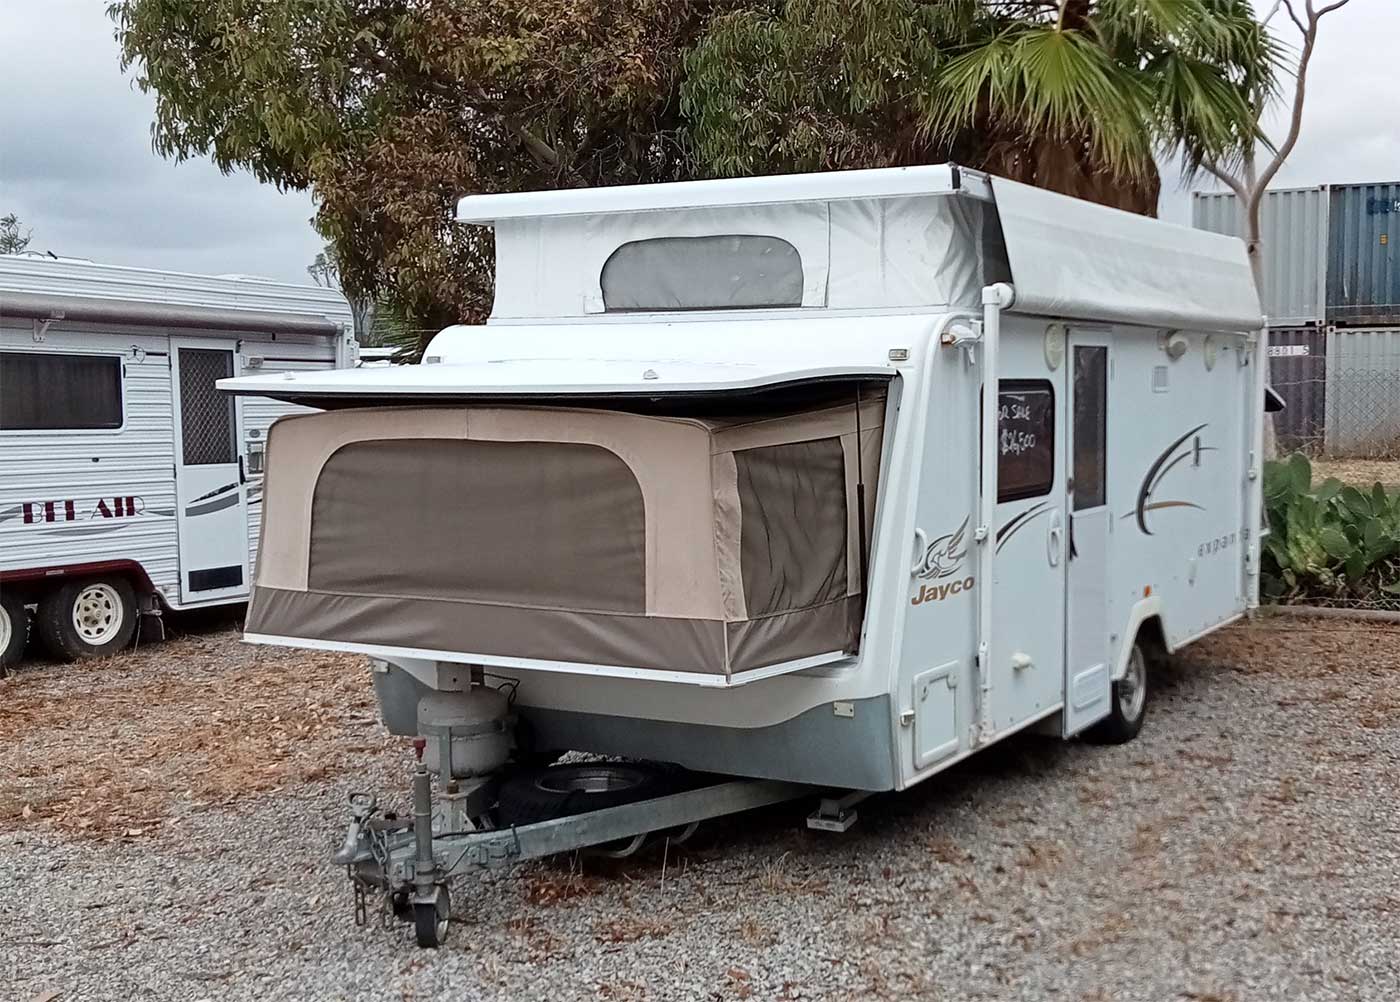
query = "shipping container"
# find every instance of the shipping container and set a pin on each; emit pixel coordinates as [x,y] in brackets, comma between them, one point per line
[1298,374]
[1293,226]
[1363,392]
[1363,261]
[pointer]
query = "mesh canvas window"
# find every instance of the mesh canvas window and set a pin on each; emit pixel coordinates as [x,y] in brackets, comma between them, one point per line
[206,415]
[45,391]
[793,539]
[735,271]
[539,524]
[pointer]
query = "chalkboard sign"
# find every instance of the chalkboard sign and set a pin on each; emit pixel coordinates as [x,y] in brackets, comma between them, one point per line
[1025,438]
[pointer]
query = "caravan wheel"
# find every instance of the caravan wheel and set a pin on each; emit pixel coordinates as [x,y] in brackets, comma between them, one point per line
[14,629]
[1129,704]
[87,619]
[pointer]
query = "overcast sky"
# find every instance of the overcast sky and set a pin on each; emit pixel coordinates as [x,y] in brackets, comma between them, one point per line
[76,162]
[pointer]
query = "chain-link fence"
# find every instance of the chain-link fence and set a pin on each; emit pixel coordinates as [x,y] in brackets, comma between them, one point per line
[1363,414]
[1344,414]
[1345,417]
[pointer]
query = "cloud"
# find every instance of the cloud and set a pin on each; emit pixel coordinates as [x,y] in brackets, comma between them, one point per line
[76,162]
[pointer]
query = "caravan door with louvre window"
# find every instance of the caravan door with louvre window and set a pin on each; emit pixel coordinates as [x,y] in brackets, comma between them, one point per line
[211,508]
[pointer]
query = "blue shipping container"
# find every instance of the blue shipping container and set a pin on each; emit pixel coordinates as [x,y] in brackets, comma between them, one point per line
[1363,254]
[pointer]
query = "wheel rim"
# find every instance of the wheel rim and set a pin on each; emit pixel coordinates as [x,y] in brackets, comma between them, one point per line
[98,614]
[7,629]
[1132,687]
[594,780]
[443,906]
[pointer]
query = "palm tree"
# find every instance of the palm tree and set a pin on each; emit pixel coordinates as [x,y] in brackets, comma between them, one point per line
[1078,96]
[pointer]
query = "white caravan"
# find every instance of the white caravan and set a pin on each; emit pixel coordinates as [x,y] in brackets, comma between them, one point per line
[128,484]
[717,486]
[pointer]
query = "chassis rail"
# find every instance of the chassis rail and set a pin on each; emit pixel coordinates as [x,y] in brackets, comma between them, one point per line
[410,865]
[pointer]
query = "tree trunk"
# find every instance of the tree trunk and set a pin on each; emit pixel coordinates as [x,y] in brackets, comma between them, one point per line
[1255,246]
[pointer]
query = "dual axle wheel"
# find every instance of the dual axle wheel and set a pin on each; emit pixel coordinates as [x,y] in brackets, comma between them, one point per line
[83,618]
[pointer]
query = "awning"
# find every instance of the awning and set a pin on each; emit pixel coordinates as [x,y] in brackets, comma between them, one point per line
[90,309]
[1073,259]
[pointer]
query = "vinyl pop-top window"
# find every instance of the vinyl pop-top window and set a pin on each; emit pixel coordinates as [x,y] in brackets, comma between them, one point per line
[728,272]
[47,391]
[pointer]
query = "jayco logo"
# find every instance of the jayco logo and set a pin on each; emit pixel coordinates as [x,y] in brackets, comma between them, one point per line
[944,559]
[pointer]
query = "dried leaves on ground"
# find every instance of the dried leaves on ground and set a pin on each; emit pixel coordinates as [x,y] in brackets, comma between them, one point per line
[111,748]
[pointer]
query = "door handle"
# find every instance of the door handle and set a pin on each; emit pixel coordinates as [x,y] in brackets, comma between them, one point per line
[920,549]
[1055,539]
[242,473]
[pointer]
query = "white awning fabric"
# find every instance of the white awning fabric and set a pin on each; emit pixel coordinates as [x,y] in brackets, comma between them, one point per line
[1070,258]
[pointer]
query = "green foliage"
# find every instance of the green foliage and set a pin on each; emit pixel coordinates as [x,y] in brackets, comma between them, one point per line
[1331,542]
[13,239]
[389,111]
[1075,96]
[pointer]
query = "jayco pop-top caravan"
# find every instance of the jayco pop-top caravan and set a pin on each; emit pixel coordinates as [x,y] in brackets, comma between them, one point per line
[820,482]
[128,483]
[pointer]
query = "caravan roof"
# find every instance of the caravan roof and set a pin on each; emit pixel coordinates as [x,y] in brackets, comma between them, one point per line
[783,275]
[41,287]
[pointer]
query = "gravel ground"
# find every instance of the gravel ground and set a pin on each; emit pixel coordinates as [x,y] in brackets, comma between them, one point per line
[1245,847]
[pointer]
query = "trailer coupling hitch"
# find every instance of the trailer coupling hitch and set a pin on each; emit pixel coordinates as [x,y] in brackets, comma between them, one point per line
[363,807]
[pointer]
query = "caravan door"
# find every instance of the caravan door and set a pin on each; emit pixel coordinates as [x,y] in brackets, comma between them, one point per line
[1087,671]
[1030,537]
[211,509]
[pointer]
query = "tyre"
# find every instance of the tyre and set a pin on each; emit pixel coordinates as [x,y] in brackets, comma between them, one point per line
[1129,704]
[432,918]
[564,790]
[88,618]
[14,629]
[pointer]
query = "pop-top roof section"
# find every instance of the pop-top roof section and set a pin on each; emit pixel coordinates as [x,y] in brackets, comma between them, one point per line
[896,238]
[883,182]
[915,239]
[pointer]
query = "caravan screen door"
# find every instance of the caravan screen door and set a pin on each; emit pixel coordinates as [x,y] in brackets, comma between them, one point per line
[211,508]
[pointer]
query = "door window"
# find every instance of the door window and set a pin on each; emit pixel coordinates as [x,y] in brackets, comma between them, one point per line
[1025,438]
[206,415]
[1090,428]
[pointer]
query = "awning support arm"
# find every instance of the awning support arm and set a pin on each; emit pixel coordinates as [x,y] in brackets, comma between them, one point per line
[995,298]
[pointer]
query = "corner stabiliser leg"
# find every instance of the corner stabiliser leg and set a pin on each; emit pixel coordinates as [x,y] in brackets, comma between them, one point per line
[836,814]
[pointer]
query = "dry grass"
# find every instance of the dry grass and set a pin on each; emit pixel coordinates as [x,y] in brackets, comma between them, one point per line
[630,929]
[553,886]
[755,934]
[111,748]
[1358,472]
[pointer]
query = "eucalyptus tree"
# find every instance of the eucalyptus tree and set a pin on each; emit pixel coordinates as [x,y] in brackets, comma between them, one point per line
[388,110]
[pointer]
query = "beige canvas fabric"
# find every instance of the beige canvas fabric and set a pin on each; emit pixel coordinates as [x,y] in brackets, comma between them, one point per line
[568,535]
[597,638]
[669,457]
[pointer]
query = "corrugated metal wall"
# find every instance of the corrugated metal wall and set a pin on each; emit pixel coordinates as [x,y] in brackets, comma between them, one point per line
[1298,373]
[1363,392]
[1363,268]
[1293,226]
